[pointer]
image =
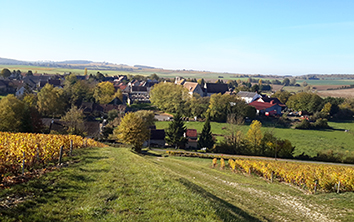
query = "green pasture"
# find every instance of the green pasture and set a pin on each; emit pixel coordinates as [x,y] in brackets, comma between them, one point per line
[328,82]
[114,184]
[305,141]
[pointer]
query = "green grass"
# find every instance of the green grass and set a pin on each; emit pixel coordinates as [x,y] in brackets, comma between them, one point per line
[308,141]
[114,184]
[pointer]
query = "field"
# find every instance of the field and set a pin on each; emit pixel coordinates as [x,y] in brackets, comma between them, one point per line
[113,184]
[346,93]
[307,141]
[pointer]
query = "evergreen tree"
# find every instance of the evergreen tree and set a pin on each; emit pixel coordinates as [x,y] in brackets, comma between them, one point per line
[175,132]
[206,138]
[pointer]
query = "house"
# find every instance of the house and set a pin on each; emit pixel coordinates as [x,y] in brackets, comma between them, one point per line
[192,136]
[193,87]
[248,97]
[3,86]
[267,99]
[266,108]
[215,88]
[157,138]
[179,80]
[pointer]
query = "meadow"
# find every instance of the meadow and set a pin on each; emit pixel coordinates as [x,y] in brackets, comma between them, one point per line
[308,142]
[114,184]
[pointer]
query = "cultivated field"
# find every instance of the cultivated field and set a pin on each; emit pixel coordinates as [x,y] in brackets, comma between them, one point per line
[345,93]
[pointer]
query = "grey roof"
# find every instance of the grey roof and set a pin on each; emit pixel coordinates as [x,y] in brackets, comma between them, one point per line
[216,87]
[246,94]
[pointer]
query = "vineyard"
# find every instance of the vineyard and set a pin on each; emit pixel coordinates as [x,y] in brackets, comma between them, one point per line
[312,177]
[35,150]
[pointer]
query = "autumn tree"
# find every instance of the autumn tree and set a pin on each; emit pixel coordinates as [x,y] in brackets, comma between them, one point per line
[51,101]
[5,73]
[74,121]
[147,116]
[104,92]
[132,130]
[254,136]
[119,95]
[168,96]
[176,131]
[85,72]
[11,111]
[201,82]
[206,138]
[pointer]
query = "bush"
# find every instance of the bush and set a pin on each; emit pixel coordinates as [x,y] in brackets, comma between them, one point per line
[305,124]
[321,124]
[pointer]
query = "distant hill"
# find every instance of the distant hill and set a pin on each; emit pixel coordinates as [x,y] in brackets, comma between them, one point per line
[74,62]
[5,61]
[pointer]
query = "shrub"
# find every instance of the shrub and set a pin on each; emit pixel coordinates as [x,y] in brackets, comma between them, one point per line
[305,124]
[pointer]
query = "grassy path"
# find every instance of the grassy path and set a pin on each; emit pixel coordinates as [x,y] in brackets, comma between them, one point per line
[113,184]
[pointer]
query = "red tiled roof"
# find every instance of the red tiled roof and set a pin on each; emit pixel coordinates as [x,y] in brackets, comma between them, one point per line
[261,105]
[191,133]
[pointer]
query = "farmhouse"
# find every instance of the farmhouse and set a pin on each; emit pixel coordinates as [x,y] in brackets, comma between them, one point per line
[157,138]
[264,108]
[193,87]
[192,136]
[215,88]
[248,97]
[267,99]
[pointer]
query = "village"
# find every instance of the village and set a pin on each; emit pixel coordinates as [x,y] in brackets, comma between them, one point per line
[132,91]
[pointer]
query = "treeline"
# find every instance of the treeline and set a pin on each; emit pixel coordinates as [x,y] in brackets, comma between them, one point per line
[254,143]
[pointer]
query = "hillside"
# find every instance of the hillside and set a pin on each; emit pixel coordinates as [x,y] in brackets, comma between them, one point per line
[114,184]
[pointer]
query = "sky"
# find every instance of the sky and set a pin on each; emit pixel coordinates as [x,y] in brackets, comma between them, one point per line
[284,37]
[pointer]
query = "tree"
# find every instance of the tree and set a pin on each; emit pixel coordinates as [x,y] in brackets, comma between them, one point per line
[206,138]
[196,106]
[283,96]
[255,88]
[292,82]
[78,91]
[147,116]
[74,121]
[85,72]
[154,76]
[51,101]
[304,84]
[201,82]
[168,97]
[260,82]
[119,95]
[104,92]
[29,73]
[11,112]
[5,73]
[175,134]
[254,136]
[31,119]
[286,82]
[132,130]
[305,101]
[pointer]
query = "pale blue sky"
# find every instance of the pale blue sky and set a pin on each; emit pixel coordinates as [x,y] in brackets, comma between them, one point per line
[255,37]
